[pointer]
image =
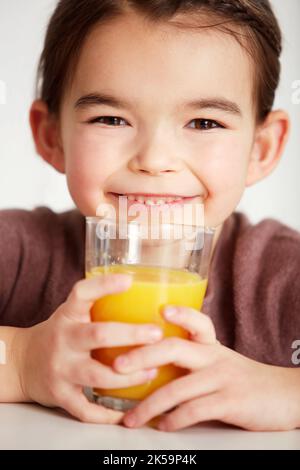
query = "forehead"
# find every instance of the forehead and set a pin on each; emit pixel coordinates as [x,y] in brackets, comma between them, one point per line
[159,64]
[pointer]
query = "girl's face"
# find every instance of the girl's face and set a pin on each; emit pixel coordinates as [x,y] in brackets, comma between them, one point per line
[157,110]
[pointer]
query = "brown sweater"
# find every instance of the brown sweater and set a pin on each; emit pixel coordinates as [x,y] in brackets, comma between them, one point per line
[253,294]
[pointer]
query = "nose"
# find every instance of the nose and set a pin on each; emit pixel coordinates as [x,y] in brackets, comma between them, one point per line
[155,159]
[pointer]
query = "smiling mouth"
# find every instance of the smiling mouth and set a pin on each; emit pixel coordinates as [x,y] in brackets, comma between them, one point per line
[154,199]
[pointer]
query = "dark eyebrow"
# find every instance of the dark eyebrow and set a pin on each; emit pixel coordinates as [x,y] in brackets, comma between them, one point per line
[97,99]
[221,104]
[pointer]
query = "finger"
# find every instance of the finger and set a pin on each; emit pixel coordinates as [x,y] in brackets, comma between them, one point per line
[87,291]
[91,373]
[76,403]
[167,397]
[207,408]
[198,324]
[177,351]
[112,334]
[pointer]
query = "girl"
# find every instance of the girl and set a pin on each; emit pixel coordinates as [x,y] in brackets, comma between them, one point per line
[150,100]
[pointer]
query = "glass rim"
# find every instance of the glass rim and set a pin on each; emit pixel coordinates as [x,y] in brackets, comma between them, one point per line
[94,219]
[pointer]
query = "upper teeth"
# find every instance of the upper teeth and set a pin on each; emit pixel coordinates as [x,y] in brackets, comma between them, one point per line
[153,200]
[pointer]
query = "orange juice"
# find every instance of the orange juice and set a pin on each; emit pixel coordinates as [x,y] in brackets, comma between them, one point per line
[152,288]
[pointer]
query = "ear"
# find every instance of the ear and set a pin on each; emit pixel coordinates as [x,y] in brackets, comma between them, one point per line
[46,135]
[269,144]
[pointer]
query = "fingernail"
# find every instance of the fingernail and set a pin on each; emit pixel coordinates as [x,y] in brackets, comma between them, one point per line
[130,421]
[162,426]
[122,361]
[154,334]
[151,373]
[123,280]
[170,312]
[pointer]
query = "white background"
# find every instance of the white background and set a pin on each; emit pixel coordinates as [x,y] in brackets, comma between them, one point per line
[26,181]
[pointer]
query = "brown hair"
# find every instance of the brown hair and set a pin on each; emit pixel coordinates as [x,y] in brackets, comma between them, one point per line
[73,20]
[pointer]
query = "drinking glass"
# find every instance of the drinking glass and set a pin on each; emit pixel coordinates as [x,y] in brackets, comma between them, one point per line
[168,265]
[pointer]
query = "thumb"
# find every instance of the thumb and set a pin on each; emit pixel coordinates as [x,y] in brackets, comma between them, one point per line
[87,291]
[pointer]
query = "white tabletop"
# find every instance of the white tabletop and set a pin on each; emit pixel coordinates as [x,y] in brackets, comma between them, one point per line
[26,426]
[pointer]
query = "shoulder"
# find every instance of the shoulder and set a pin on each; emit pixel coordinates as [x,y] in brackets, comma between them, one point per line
[266,284]
[269,233]
[36,219]
[19,227]
[39,233]
[41,256]
[268,246]
[36,225]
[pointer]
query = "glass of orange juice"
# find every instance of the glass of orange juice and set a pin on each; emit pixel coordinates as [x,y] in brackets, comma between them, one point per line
[169,266]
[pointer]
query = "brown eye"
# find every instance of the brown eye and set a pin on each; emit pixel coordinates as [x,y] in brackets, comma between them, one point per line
[206,124]
[111,121]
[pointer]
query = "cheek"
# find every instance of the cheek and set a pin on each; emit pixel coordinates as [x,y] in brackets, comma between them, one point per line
[222,169]
[90,161]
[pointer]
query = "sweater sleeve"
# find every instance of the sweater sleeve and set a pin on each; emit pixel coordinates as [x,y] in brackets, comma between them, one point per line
[267,292]
[41,257]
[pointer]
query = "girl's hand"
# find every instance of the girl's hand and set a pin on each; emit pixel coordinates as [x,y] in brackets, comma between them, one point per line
[222,384]
[54,360]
